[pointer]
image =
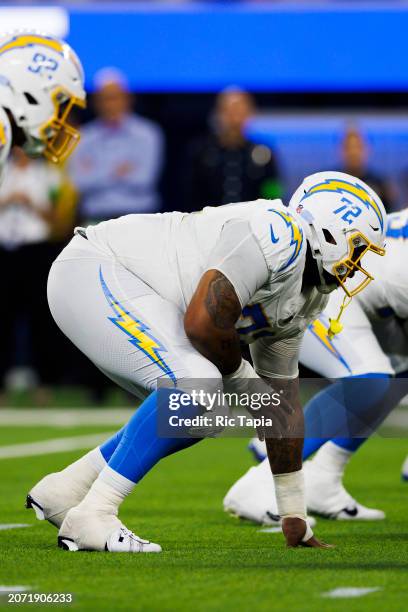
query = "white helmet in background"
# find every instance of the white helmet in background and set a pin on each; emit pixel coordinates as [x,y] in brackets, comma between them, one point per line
[5,140]
[41,81]
[343,219]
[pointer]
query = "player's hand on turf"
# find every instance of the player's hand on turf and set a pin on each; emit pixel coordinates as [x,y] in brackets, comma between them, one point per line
[315,543]
[294,530]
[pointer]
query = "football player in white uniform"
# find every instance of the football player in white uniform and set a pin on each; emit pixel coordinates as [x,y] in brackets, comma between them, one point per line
[5,140]
[41,82]
[372,348]
[169,297]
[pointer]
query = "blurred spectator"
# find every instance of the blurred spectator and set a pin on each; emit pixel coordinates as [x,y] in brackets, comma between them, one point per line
[226,167]
[27,197]
[355,159]
[118,162]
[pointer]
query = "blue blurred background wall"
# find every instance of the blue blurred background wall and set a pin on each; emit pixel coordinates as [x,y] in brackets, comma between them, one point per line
[301,46]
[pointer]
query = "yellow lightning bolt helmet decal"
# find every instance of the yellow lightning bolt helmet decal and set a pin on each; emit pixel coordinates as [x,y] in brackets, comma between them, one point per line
[136,331]
[26,40]
[3,138]
[345,187]
[296,237]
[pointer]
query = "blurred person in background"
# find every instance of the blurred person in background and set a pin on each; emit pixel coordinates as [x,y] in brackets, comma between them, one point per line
[225,166]
[355,154]
[27,202]
[117,166]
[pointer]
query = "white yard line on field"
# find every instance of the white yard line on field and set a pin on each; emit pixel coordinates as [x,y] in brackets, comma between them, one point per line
[7,526]
[397,418]
[64,417]
[270,530]
[56,445]
[14,589]
[347,592]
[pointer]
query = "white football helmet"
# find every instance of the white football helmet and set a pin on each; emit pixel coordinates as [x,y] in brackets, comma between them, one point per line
[343,218]
[41,81]
[5,140]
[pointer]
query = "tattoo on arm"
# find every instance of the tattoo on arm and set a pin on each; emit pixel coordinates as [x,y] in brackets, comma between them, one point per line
[222,303]
[210,320]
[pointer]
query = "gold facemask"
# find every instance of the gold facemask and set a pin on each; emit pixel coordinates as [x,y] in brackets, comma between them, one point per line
[59,136]
[359,246]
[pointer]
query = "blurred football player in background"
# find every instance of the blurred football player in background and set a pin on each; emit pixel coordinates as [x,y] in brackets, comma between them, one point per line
[151,298]
[41,83]
[29,195]
[372,348]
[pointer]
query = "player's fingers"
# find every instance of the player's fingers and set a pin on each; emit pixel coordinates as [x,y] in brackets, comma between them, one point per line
[315,543]
[294,530]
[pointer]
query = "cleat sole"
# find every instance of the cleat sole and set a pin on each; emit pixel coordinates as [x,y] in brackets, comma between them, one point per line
[67,544]
[31,504]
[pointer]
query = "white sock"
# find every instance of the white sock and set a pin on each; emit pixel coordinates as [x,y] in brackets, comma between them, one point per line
[107,492]
[332,458]
[85,471]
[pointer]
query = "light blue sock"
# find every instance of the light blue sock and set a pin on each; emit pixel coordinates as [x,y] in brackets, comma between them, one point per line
[350,444]
[137,447]
[108,448]
[341,408]
[395,393]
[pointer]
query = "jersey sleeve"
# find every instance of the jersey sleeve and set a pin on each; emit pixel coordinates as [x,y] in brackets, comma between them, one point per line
[239,257]
[396,293]
[280,237]
[277,359]
[5,141]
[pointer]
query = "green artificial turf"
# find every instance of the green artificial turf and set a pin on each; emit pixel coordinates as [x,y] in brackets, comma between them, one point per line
[210,561]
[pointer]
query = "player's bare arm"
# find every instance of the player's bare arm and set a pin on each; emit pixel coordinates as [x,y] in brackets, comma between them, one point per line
[285,455]
[210,320]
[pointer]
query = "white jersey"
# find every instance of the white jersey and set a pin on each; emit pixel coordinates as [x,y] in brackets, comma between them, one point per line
[120,294]
[5,140]
[374,339]
[258,245]
[388,294]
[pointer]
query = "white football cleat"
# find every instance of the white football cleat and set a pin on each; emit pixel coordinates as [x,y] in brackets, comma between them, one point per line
[404,471]
[326,496]
[86,530]
[53,496]
[252,497]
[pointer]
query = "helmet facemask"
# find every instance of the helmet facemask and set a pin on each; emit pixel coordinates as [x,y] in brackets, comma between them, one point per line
[59,136]
[345,269]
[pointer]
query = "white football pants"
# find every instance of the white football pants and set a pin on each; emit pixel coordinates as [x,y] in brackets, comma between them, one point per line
[129,331]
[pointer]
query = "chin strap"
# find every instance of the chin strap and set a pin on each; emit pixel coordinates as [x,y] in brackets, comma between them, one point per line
[335,326]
